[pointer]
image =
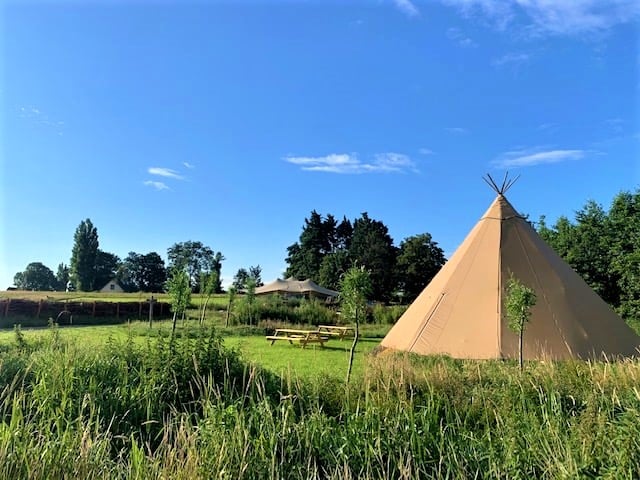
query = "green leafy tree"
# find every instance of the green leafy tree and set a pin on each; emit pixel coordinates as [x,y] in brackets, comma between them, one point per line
[36,276]
[519,300]
[106,268]
[586,245]
[195,257]
[355,289]
[248,308]
[592,254]
[208,282]
[329,227]
[624,233]
[372,247]
[62,276]
[333,266]
[256,274]
[603,248]
[243,276]
[84,255]
[154,273]
[418,261]
[179,290]
[130,272]
[344,234]
[304,257]
[320,238]
[240,279]
[143,273]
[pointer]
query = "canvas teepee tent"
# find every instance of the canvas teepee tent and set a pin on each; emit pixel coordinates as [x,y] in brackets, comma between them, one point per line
[460,313]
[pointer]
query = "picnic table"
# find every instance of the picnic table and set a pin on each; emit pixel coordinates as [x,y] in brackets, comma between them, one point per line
[303,337]
[335,331]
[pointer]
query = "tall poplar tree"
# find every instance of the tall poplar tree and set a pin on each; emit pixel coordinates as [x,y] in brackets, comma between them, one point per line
[83,256]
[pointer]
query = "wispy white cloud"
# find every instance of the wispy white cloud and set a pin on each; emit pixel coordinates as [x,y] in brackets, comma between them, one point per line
[393,162]
[349,163]
[553,17]
[407,7]
[531,157]
[165,172]
[188,165]
[426,151]
[457,130]
[456,35]
[37,116]
[515,59]
[156,185]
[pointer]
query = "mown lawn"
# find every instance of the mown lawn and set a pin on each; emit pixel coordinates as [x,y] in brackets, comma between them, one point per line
[281,358]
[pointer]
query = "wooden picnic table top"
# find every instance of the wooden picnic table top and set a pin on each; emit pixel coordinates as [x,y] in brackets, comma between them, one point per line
[293,330]
[335,327]
[295,335]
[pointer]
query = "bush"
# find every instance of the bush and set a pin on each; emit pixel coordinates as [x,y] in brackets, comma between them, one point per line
[383,315]
[278,309]
[314,313]
[275,307]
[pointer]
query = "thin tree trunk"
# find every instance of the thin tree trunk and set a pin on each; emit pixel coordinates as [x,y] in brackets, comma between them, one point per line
[353,347]
[520,347]
[204,310]
[173,328]
[226,320]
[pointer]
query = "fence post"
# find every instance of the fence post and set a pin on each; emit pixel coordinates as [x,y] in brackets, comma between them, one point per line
[151,302]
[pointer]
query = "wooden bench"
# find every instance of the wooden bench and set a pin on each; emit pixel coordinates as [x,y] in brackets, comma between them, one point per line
[303,337]
[335,331]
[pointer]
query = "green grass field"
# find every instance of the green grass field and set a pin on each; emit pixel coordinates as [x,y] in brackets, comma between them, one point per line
[281,358]
[129,401]
[216,301]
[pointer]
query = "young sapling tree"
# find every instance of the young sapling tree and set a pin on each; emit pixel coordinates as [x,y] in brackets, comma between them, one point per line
[355,289]
[232,296]
[208,282]
[179,289]
[518,303]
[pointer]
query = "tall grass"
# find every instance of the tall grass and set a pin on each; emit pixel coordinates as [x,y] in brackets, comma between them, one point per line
[191,408]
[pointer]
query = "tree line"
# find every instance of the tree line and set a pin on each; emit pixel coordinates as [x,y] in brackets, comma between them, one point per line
[91,268]
[604,248]
[327,249]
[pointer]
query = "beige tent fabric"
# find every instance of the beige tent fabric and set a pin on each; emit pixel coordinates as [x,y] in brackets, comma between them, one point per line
[295,287]
[460,312]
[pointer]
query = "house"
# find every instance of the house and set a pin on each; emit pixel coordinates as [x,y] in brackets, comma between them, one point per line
[112,286]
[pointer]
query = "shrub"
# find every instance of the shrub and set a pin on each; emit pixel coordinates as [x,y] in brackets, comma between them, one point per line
[383,315]
[314,313]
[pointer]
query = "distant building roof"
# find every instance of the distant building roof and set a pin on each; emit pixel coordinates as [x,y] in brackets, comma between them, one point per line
[296,287]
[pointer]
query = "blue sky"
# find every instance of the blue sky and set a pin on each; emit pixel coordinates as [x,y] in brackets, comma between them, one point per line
[228,122]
